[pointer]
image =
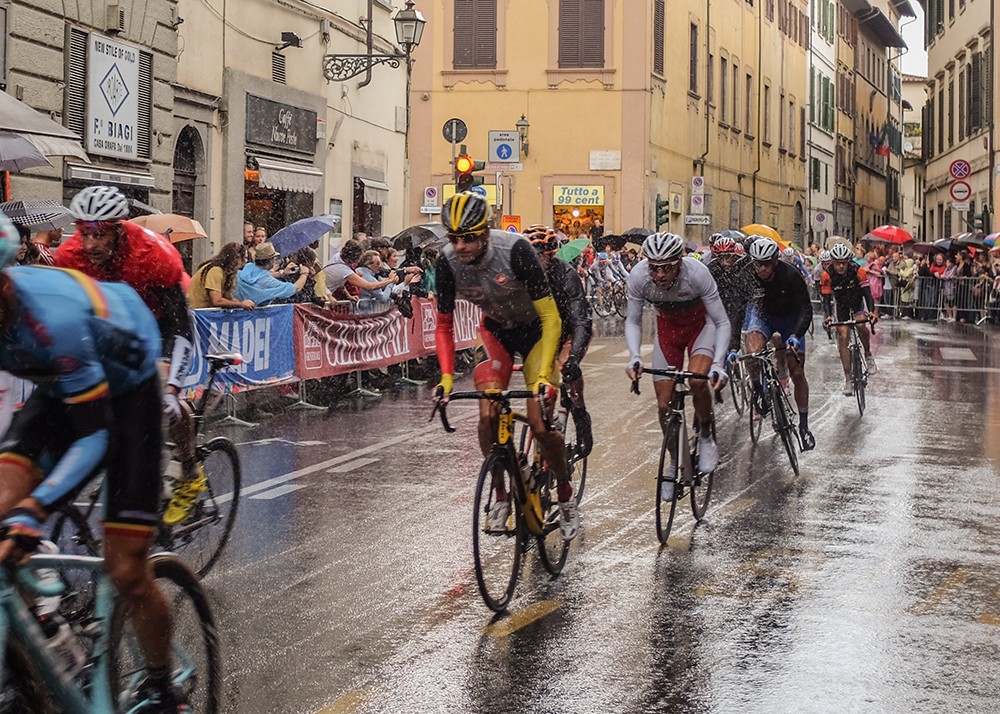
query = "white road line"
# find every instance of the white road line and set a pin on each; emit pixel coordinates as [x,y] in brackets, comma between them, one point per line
[346,468]
[280,491]
[957,353]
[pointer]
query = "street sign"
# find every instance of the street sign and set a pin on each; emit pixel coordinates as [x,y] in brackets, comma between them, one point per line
[698,186]
[960,169]
[697,220]
[457,134]
[960,191]
[820,217]
[430,209]
[505,147]
[511,223]
[961,206]
[697,204]
[500,166]
[430,196]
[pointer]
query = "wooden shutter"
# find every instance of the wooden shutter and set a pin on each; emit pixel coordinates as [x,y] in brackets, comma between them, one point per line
[486,34]
[975,94]
[925,123]
[144,143]
[76,82]
[475,34]
[659,24]
[593,33]
[986,87]
[570,39]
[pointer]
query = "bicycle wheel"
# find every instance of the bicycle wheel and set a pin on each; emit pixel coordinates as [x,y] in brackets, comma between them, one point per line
[621,301]
[665,509]
[73,535]
[197,667]
[22,689]
[201,537]
[577,464]
[497,554]
[756,418]
[736,387]
[602,305]
[552,549]
[701,484]
[858,376]
[786,428]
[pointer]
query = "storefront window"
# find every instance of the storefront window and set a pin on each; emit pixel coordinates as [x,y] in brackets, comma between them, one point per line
[578,211]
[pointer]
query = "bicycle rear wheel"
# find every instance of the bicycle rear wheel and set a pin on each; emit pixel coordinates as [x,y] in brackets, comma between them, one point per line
[22,689]
[786,428]
[577,464]
[552,549]
[201,537]
[665,509]
[858,376]
[621,301]
[602,304]
[73,535]
[756,418]
[737,387]
[197,667]
[497,554]
[701,484]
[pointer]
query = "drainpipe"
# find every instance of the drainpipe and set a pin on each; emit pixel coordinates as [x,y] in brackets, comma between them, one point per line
[760,73]
[368,70]
[700,161]
[991,118]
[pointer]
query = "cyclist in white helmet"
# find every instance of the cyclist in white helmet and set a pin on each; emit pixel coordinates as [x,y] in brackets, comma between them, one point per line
[690,318]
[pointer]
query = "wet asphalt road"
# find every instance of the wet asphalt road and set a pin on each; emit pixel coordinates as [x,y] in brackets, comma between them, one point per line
[867,584]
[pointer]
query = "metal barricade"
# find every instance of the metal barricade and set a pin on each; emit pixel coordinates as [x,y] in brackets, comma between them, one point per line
[972,300]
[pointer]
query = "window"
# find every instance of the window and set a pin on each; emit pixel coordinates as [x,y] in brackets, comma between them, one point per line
[951,9]
[962,114]
[3,46]
[826,179]
[581,33]
[736,95]
[815,165]
[974,92]
[766,111]
[946,230]
[723,89]
[791,126]
[781,121]
[749,123]
[659,23]
[710,80]
[769,9]
[940,121]
[951,112]
[475,34]
[693,68]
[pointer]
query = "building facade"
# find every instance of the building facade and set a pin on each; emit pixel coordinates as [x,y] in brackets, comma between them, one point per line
[703,109]
[822,120]
[914,173]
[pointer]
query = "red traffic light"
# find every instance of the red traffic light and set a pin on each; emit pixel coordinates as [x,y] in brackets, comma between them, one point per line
[464,164]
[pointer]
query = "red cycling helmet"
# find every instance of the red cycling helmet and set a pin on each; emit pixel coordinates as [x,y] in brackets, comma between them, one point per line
[724,244]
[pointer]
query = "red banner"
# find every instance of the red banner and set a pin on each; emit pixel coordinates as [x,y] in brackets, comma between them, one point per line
[328,343]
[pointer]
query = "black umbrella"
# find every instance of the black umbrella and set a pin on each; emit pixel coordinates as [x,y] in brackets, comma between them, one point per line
[611,242]
[422,235]
[970,240]
[635,235]
[928,248]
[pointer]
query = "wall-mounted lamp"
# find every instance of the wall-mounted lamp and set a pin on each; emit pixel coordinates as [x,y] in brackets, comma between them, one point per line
[289,39]
[522,130]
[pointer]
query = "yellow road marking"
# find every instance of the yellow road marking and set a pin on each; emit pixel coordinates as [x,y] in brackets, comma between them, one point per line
[347,703]
[942,592]
[990,618]
[517,620]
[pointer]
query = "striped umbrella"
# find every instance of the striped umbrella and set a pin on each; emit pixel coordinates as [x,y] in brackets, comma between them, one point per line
[39,216]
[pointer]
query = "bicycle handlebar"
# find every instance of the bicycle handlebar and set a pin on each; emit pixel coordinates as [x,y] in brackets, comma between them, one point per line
[440,407]
[848,323]
[677,375]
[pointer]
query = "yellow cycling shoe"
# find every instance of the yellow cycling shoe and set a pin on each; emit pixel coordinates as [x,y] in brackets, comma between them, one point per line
[185,494]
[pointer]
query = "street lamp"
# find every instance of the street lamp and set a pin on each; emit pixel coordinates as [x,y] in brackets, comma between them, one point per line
[409,27]
[522,130]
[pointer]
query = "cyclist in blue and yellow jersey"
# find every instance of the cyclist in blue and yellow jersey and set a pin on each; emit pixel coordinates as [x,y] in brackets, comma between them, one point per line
[780,303]
[846,296]
[577,326]
[690,318]
[91,350]
[500,273]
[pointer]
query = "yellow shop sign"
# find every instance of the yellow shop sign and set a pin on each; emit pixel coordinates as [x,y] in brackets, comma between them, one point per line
[578,195]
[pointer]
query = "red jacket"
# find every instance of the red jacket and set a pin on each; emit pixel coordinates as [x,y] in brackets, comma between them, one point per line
[144,260]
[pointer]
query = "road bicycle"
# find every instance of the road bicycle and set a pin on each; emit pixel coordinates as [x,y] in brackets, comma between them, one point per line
[773,398]
[859,365]
[681,445]
[201,536]
[739,384]
[515,465]
[36,679]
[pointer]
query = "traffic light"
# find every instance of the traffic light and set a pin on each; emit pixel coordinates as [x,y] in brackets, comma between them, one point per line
[662,211]
[465,167]
[981,221]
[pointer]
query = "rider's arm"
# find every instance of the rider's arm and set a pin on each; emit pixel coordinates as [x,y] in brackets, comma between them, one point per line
[444,333]
[526,267]
[577,314]
[175,322]
[800,297]
[633,316]
[716,312]
[826,295]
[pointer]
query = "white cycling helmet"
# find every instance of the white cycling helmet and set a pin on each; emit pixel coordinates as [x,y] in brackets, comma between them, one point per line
[763,249]
[788,252]
[663,246]
[840,252]
[99,203]
[824,256]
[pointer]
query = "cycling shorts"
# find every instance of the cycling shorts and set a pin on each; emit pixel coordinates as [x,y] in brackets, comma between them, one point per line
[496,348]
[767,325]
[680,331]
[42,433]
[845,313]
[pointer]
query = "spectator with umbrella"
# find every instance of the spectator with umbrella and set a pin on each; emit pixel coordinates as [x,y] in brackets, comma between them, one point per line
[44,219]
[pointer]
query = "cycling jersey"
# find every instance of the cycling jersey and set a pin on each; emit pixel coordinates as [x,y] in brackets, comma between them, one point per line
[87,345]
[151,265]
[850,291]
[510,286]
[783,299]
[598,272]
[618,270]
[574,310]
[735,286]
[691,314]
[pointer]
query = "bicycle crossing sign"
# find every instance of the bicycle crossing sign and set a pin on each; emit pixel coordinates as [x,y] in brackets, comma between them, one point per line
[960,169]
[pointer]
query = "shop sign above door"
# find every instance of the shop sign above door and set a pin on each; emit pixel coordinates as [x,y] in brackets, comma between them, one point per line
[578,195]
[113,98]
[280,125]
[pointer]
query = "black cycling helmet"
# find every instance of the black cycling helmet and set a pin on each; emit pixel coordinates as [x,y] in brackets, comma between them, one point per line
[466,213]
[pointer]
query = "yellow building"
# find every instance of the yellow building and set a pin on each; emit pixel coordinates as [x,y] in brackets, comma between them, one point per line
[625,102]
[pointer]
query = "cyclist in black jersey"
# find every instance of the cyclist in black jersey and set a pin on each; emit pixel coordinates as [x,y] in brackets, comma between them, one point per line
[846,294]
[731,272]
[577,326]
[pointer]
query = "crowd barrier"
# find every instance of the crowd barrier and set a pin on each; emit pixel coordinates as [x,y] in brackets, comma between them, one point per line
[975,300]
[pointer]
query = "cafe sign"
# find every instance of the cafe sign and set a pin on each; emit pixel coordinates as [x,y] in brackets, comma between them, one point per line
[281,126]
[578,195]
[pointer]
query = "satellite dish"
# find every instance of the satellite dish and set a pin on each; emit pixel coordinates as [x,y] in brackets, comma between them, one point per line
[907,146]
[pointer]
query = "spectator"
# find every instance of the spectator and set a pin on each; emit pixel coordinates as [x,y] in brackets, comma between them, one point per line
[963,287]
[906,277]
[596,230]
[27,253]
[314,290]
[255,282]
[859,255]
[427,286]
[341,280]
[873,267]
[947,277]
[213,282]
[248,241]
[377,300]
[259,236]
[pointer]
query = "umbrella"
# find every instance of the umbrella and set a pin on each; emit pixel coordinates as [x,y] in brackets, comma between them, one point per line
[39,216]
[301,233]
[572,250]
[176,228]
[872,238]
[991,238]
[765,232]
[969,240]
[691,247]
[636,235]
[612,242]
[18,154]
[422,235]
[893,234]
[734,234]
[935,247]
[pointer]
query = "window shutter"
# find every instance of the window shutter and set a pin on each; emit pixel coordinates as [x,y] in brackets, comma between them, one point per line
[802,132]
[465,34]
[486,34]
[659,23]
[925,127]
[812,96]
[986,76]
[951,112]
[76,82]
[975,93]
[144,143]
[570,12]
[593,33]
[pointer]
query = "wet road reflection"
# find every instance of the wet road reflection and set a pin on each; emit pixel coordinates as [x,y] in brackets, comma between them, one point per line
[866,584]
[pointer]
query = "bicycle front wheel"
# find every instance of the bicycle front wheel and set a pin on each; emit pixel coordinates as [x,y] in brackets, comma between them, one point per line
[552,549]
[497,552]
[737,387]
[621,302]
[577,463]
[197,666]
[858,374]
[701,484]
[756,418]
[200,538]
[602,305]
[665,509]
[786,429]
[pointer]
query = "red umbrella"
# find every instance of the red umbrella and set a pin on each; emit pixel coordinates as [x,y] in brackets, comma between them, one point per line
[893,234]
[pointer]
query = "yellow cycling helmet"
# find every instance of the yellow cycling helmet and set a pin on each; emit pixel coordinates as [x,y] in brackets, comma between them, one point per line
[466,213]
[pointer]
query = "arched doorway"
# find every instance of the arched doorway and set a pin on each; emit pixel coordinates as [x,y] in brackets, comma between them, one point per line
[797,227]
[189,158]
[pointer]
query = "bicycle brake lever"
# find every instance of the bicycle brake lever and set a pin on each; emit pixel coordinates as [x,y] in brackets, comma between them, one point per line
[718,396]
[635,386]
[439,408]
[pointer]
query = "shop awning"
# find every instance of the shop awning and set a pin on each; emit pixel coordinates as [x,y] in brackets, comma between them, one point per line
[283,176]
[96,173]
[49,137]
[376,192]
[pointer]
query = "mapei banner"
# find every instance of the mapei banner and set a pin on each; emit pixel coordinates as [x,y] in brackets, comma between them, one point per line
[262,336]
[328,344]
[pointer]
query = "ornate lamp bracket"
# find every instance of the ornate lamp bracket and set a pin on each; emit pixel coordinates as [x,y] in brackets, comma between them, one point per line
[340,68]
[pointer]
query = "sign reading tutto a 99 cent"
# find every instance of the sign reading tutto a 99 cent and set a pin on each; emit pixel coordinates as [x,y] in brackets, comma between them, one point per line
[578,195]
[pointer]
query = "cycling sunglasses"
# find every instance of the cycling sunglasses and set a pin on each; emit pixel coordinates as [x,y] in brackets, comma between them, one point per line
[94,226]
[664,266]
[455,238]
